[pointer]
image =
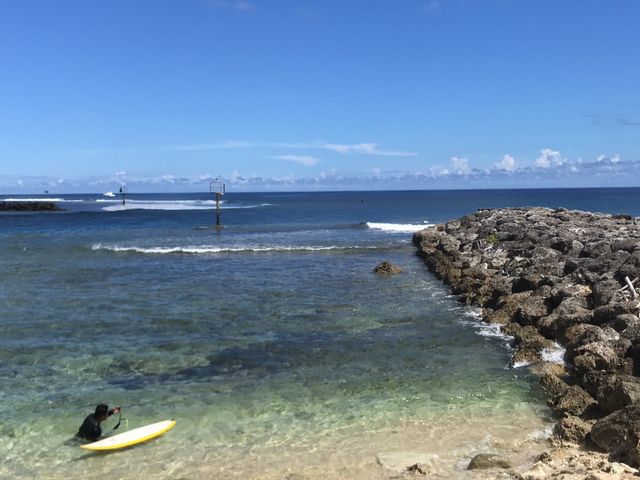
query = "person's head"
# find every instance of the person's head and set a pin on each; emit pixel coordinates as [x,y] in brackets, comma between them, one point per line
[102,411]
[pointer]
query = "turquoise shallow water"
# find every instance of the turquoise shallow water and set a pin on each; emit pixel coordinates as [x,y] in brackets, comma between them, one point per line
[269,342]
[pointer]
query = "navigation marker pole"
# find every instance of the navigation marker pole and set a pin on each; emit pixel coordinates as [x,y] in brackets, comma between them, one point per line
[217,188]
[123,191]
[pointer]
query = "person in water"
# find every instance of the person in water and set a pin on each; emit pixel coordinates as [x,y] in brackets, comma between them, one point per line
[90,428]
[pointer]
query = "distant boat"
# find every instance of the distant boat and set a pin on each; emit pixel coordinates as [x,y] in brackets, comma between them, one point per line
[109,194]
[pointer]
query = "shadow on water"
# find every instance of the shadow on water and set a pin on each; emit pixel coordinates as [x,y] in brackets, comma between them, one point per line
[77,442]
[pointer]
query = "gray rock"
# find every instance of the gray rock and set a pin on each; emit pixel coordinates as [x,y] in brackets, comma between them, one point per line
[488,460]
[573,429]
[615,392]
[387,268]
[531,310]
[608,313]
[628,245]
[604,291]
[623,321]
[632,327]
[573,401]
[619,433]
[553,385]
[582,334]
[400,463]
[596,356]
[556,324]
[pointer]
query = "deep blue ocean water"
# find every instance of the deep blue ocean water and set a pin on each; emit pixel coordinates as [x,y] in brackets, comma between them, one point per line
[269,340]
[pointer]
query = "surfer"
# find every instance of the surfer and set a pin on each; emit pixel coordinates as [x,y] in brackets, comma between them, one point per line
[90,428]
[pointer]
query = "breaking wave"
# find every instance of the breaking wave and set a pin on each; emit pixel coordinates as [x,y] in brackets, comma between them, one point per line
[170,205]
[204,249]
[398,227]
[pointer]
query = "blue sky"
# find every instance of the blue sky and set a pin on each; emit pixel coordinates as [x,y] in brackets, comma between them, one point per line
[165,94]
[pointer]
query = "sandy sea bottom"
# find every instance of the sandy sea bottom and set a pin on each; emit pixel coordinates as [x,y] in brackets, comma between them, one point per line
[444,444]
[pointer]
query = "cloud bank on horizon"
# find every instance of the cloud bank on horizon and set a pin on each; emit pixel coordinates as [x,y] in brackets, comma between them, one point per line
[550,170]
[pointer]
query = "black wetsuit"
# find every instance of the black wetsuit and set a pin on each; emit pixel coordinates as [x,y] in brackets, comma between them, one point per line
[90,428]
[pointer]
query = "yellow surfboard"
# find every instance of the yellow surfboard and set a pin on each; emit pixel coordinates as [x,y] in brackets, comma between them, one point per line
[132,437]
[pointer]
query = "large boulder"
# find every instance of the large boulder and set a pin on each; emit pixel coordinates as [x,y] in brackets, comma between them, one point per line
[604,291]
[531,310]
[573,429]
[573,401]
[487,460]
[619,434]
[553,385]
[617,391]
[596,356]
[608,313]
[583,334]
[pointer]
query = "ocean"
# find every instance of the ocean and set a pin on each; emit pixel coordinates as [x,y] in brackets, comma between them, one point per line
[270,341]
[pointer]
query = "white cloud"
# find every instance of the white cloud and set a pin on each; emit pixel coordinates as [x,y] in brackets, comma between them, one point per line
[121,173]
[306,160]
[344,149]
[508,163]
[570,174]
[365,149]
[226,144]
[549,158]
[609,159]
[460,165]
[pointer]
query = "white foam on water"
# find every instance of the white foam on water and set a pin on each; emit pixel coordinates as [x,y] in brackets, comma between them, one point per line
[489,330]
[160,205]
[170,205]
[521,364]
[554,355]
[492,330]
[39,200]
[542,434]
[109,194]
[199,250]
[397,227]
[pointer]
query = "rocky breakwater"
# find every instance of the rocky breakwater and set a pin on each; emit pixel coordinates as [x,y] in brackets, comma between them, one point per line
[29,207]
[560,276]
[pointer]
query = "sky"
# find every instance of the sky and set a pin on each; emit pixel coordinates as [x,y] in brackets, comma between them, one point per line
[165,95]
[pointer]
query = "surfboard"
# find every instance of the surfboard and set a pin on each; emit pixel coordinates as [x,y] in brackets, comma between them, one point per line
[132,437]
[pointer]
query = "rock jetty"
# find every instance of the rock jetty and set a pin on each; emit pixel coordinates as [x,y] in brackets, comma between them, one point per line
[29,207]
[552,277]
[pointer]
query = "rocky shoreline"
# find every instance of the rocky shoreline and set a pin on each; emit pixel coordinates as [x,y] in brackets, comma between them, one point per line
[29,207]
[550,278]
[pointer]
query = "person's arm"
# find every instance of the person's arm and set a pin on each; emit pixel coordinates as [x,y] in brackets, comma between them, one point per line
[114,410]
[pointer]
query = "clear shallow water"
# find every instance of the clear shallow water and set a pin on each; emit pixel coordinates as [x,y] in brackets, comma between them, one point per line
[271,342]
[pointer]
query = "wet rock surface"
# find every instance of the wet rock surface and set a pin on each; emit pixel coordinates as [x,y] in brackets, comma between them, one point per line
[562,276]
[387,268]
